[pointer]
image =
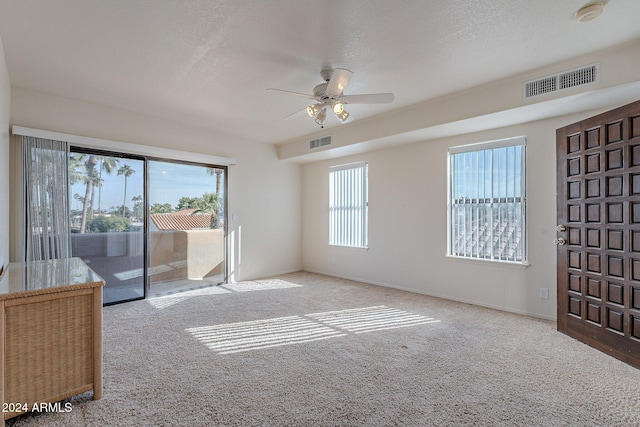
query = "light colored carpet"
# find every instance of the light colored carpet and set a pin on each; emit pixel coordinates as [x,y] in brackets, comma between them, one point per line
[308,350]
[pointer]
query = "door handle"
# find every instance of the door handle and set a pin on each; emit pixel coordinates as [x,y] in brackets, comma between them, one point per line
[561,228]
[559,241]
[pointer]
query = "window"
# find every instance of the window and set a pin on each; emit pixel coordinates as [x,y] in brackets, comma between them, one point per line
[348,205]
[487,202]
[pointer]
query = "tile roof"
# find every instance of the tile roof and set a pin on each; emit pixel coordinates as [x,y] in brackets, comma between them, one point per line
[498,236]
[181,220]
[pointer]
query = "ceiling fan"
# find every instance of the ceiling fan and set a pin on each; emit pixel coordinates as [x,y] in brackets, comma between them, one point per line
[330,96]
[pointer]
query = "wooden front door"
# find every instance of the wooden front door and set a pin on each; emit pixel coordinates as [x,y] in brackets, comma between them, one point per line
[598,235]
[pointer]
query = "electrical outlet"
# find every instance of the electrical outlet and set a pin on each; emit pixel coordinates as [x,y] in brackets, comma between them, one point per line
[544,293]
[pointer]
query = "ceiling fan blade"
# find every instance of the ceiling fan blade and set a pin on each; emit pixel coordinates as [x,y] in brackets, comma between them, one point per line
[339,80]
[293,93]
[371,98]
[297,114]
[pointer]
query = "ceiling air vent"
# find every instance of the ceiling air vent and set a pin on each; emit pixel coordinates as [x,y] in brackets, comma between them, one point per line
[568,79]
[320,142]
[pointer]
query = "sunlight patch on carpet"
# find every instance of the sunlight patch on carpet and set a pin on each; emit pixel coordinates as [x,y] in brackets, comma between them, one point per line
[236,337]
[260,334]
[369,319]
[164,301]
[260,285]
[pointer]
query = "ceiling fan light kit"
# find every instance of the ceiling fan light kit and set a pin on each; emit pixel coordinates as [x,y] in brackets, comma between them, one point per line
[321,116]
[343,116]
[330,95]
[312,110]
[337,107]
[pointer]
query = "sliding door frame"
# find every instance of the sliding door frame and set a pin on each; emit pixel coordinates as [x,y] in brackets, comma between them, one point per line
[145,225]
[146,243]
[225,169]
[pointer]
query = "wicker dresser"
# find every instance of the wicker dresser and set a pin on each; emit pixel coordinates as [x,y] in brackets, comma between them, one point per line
[50,334]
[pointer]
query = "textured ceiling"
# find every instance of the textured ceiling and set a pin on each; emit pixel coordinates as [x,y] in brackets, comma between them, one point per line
[207,63]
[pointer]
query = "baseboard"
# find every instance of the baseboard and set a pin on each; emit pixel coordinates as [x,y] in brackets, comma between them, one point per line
[280,273]
[432,294]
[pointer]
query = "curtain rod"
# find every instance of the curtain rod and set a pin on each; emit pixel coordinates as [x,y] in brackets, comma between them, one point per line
[124,147]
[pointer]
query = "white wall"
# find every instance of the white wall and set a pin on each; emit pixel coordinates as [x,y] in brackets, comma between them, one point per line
[5,101]
[408,224]
[264,193]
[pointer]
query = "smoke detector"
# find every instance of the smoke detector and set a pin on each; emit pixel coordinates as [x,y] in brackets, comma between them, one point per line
[589,12]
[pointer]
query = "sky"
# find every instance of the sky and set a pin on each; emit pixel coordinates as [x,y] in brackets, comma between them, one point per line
[488,173]
[168,182]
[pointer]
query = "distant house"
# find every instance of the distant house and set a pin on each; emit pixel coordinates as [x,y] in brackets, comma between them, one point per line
[184,219]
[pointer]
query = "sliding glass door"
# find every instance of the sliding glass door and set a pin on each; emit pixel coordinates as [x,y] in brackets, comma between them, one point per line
[186,226]
[147,226]
[107,220]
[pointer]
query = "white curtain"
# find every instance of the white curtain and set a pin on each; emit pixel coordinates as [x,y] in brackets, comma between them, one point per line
[46,178]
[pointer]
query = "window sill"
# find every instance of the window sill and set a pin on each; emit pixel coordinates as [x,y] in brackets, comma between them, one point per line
[354,248]
[488,262]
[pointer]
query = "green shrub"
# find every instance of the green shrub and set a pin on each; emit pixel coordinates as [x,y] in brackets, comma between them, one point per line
[103,224]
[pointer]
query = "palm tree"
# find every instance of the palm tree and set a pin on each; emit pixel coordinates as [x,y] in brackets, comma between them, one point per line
[108,164]
[82,167]
[127,171]
[79,198]
[218,173]
[137,207]
[97,182]
[90,166]
[77,171]
[160,208]
[209,204]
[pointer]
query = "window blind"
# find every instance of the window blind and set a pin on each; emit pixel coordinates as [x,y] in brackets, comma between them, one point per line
[348,205]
